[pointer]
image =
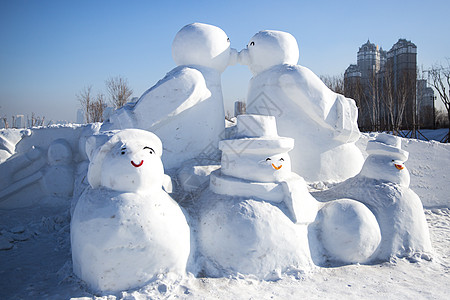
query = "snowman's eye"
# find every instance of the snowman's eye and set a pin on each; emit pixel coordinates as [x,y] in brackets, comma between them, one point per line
[151,150]
[267,159]
[122,151]
[281,159]
[252,43]
[228,40]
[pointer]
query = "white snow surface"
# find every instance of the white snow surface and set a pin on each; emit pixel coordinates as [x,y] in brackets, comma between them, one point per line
[36,257]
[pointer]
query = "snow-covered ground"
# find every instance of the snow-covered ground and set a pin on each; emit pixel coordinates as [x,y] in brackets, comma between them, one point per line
[36,259]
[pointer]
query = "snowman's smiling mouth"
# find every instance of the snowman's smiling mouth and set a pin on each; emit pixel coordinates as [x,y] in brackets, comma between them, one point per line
[137,165]
[277,168]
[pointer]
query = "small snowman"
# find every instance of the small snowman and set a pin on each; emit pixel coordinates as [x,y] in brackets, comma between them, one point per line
[322,123]
[185,108]
[254,217]
[125,228]
[383,186]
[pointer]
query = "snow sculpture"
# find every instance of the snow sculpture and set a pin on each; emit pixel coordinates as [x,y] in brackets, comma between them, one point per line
[32,177]
[254,218]
[322,122]
[383,185]
[185,108]
[126,229]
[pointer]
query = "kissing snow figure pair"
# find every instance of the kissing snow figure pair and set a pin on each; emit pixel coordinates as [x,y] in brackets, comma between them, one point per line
[185,109]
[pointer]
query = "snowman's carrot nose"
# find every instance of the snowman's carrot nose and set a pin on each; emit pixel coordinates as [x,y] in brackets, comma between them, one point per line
[137,165]
[400,167]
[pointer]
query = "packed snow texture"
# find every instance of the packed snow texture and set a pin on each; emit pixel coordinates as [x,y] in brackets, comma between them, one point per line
[322,122]
[185,109]
[125,229]
[348,231]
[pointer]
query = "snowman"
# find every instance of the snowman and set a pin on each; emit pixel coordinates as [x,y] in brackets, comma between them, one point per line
[185,108]
[322,122]
[125,228]
[383,186]
[254,217]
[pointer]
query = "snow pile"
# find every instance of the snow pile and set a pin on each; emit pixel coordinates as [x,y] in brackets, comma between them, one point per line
[254,218]
[383,185]
[185,108]
[125,229]
[322,122]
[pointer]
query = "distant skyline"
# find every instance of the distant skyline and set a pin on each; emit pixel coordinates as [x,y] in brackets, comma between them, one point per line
[50,50]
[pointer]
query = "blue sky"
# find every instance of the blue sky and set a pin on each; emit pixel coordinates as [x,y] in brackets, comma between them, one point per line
[50,50]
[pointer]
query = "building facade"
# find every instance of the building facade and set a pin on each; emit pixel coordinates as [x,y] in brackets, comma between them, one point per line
[384,86]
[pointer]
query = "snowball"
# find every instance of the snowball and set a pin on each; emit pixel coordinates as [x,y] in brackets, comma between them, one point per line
[203,45]
[349,231]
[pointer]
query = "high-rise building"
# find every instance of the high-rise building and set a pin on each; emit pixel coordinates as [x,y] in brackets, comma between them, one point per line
[384,86]
[402,63]
[80,116]
[425,104]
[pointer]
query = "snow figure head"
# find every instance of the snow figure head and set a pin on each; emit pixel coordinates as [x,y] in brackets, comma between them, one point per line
[257,153]
[269,48]
[386,160]
[203,45]
[129,162]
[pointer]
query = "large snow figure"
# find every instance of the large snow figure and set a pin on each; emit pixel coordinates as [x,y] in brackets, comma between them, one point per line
[185,108]
[383,185]
[126,229]
[254,218]
[322,122]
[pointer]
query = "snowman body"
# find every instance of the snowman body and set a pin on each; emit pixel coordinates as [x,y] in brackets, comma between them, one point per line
[125,228]
[254,217]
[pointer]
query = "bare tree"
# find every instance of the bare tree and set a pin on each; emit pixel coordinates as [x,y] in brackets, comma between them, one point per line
[334,83]
[97,108]
[118,90]
[36,121]
[440,80]
[85,97]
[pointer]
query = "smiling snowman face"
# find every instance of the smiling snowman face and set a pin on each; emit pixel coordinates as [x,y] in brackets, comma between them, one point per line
[387,169]
[276,166]
[131,167]
[256,167]
[129,162]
